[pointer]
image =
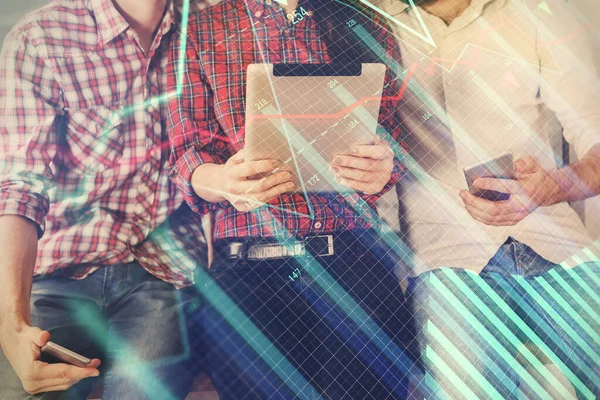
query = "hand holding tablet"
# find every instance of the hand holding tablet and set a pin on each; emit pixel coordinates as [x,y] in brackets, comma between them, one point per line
[306,115]
[365,168]
[249,184]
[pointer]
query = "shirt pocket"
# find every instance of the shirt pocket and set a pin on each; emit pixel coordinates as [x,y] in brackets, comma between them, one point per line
[94,140]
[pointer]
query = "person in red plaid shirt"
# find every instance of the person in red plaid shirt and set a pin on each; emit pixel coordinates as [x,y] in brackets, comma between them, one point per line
[290,272]
[94,237]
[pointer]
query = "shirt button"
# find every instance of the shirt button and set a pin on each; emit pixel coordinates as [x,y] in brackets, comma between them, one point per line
[257,14]
[318,225]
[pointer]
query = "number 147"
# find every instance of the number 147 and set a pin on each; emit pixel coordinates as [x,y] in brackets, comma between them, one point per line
[295,274]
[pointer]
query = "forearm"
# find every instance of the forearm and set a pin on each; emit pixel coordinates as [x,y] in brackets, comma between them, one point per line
[580,180]
[18,246]
[207,182]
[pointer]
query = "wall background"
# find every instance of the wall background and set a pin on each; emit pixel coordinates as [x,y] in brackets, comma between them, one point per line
[12,10]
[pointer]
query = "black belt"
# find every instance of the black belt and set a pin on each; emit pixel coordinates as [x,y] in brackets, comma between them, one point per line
[255,249]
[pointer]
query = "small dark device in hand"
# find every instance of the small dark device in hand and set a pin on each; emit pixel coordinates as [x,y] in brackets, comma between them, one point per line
[500,167]
[53,352]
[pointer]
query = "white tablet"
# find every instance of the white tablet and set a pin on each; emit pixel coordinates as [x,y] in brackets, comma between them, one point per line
[305,114]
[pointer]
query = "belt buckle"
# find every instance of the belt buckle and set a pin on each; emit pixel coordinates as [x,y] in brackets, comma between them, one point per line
[236,250]
[273,251]
[329,238]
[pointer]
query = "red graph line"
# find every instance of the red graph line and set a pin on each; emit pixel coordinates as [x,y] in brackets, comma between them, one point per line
[430,70]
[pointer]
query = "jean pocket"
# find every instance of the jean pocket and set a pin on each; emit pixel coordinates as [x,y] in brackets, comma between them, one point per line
[93,139]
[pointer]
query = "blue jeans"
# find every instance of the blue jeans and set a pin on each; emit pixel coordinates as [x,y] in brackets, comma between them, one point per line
[328,327]
[494,335]
[122,315]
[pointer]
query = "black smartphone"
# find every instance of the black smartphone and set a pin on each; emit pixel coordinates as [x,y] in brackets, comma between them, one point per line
[499,167]
[57,353]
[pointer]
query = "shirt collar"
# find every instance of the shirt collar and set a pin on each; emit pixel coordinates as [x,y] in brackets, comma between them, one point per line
[257,7]
[478,5]
[172,16]
[111,23]
[109,20]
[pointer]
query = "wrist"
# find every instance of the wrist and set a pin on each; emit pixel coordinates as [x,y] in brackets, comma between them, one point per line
[12,321]
[557,192]
[203,179]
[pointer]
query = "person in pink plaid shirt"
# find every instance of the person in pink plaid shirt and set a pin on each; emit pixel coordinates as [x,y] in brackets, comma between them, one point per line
[94,237]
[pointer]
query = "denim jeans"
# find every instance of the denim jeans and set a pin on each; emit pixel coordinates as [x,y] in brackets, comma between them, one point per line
[502,333]
[122,315]
[310,328]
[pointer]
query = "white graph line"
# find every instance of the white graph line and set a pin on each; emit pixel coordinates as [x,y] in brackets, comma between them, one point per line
[462,58]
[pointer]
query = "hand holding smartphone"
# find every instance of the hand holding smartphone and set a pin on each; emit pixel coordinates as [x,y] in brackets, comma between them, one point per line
[500,167]
[62,354]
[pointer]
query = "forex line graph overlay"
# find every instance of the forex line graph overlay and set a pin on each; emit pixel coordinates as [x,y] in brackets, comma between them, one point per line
[560,317]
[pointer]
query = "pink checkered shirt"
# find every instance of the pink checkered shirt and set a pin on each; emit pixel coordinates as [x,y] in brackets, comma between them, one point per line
[83,144]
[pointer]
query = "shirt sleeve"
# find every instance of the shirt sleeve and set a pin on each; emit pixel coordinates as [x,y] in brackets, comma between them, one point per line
[569,82]
[194,132]
[30,108]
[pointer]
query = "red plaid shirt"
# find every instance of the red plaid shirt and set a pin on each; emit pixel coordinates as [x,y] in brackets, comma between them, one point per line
[207,119]
[84,151]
